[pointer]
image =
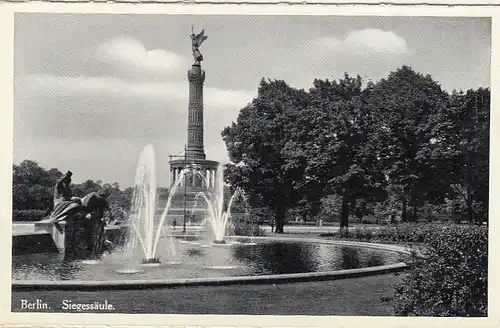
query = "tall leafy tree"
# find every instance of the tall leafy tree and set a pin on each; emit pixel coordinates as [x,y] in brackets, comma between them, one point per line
[406,105]
[32,186]
[255,143]
[335,145]
[462,136]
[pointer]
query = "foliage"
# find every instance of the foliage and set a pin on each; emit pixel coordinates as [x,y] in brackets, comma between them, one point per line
[33,190]
[400,149]
[244,228]
[452,279]
[334,148]
[398,233]
[407,105]
[28,215]
[255,143]
[463,135]
[32,186]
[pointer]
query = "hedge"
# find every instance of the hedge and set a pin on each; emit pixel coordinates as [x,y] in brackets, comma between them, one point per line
[404,232]
[452,280]
[27,215]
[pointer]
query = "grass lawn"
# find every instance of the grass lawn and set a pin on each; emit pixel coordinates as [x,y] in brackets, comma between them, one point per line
[357,296]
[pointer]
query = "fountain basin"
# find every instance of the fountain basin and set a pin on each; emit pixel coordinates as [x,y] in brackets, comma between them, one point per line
[220,281]
[200,270]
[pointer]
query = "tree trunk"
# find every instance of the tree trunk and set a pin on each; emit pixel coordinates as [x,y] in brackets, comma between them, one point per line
[470,210]
[413,206]
[403,211]
[344,215]
[279,215]
[468,182]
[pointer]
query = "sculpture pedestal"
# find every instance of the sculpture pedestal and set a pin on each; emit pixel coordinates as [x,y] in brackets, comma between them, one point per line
[57,234]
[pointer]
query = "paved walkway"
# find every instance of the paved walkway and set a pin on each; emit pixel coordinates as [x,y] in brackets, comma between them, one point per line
[357,296]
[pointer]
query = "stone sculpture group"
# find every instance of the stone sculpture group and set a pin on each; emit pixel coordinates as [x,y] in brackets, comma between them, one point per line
[84,223]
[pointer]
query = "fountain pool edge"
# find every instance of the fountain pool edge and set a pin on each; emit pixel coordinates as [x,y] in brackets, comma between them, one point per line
[85,285]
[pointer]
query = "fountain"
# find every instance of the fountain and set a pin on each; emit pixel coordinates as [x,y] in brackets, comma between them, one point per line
[142,228]
[218,214]
[144,231]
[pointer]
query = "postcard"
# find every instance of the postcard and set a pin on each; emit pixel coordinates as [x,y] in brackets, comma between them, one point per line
[205,165]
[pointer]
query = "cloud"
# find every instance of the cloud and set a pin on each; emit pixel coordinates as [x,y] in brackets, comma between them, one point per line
[122,100]
[370,53]
[131,57]
[379,41]
[105,86]
[363,42]
[107,107]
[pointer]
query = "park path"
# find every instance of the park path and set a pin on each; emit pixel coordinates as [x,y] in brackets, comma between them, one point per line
[365,296]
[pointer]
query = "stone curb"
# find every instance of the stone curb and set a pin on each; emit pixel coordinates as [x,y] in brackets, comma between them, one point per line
[31,285]
[222,281]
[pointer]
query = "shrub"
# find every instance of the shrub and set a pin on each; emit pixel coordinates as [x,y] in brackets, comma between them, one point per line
[432,213]
[248,229]
[27,215]
[405,232]
[452,279]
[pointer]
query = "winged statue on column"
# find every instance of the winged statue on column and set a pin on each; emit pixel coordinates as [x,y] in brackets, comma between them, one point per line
[196,41]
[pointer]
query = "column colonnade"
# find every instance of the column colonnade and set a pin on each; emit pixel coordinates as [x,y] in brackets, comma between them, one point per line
[209,174]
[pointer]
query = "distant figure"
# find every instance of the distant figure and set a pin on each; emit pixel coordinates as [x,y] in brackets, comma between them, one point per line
[95,204]
[174,223]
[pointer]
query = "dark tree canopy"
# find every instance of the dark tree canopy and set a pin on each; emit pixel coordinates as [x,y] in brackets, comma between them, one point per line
[400,143]
[256,143]
[407,106]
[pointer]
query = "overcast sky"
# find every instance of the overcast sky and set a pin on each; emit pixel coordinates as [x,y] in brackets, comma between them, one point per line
[92,90]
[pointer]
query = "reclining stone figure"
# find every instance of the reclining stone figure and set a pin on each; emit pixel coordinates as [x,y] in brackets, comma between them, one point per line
[84,224]
[68,208]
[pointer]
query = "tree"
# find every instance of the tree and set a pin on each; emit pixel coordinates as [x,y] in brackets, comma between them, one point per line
[406,106]
[32,186]
[87,187]
[122,199]
[255,143]
[463,141]
[28,172]
[335,145]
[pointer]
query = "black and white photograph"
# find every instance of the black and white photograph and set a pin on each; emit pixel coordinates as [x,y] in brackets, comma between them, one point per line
[250,164]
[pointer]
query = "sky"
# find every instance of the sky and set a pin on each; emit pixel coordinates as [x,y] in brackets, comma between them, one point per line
[91,90]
